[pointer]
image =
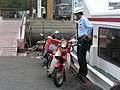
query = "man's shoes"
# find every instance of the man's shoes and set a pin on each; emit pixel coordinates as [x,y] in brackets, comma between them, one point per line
[80,77]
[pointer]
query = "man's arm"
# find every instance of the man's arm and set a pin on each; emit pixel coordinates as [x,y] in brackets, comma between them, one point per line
[89,26]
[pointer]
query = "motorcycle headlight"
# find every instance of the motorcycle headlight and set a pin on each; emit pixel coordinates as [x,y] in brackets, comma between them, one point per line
[63,44]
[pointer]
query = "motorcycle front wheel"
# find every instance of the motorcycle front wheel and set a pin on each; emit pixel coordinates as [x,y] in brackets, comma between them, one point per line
[58,78]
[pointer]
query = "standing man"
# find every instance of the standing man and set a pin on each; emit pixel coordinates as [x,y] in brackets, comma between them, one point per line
[34,12]
[83,30]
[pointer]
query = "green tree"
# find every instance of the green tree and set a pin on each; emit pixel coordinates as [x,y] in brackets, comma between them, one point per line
[14,3]
[4,3]
[24,5]
[20,4]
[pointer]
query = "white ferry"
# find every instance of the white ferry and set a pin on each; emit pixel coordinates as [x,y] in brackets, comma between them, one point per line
[104,55]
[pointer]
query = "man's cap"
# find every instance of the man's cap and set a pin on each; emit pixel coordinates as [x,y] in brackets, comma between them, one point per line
[78,9]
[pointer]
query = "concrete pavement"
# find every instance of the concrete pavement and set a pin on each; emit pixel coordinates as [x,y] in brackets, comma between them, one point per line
[26,73]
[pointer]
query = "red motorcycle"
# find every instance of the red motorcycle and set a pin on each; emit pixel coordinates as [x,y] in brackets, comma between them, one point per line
[63,62]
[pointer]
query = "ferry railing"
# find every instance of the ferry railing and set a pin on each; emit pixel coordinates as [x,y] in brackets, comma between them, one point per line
[21,34]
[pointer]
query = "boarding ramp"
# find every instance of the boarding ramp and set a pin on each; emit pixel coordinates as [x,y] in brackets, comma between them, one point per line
[10,30]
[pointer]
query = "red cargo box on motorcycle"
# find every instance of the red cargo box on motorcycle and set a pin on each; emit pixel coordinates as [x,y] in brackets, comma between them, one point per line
[51,44]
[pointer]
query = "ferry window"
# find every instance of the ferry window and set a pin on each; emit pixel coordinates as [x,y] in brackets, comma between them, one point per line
[109,45]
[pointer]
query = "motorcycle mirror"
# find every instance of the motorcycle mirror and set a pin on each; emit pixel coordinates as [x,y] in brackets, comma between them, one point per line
[56,32]
[41,34]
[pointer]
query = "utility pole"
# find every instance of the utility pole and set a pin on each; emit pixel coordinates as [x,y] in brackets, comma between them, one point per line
[30,3]
[49,9]
[72,9]
[39,8]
